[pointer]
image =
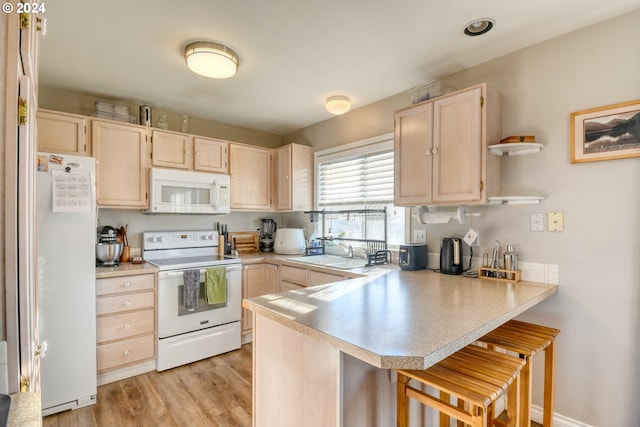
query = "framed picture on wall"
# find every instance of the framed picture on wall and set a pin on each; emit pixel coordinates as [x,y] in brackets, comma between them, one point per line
[605,133]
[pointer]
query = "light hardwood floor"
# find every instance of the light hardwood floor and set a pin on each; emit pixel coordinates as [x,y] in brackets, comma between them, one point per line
[214,392]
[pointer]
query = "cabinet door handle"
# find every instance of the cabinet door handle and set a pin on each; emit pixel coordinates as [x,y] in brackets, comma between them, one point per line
[126,303]
[127,352]
[187,152]
[127,326]
[427,152]
[435,150]
[127,284]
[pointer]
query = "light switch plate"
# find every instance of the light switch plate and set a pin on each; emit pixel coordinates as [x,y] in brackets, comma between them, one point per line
[537,222]
[471,237]
[555,221]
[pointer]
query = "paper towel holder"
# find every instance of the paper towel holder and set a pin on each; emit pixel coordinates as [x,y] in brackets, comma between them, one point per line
[427,215]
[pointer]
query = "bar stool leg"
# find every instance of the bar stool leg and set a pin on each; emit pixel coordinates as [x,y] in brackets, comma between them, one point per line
[549,367]
[402,401]
[444,418]
[525,393]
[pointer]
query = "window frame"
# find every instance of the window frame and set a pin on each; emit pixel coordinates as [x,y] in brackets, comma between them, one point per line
[384,142]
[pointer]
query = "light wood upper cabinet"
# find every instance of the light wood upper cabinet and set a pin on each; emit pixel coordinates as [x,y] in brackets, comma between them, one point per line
[62,133]
[171,149]
[294,178]
[257,279]
[121,154]
[250,170]
[181,151]
[210,155]
[441,154]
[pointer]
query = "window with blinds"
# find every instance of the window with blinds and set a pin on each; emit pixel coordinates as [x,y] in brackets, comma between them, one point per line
[360,176]
[365,180]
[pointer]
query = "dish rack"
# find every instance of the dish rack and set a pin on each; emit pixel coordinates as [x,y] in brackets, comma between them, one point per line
[376,250]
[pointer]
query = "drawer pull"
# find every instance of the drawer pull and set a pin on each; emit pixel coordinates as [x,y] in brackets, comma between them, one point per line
[127,352]
[127,284]
[127,326]
[126,304]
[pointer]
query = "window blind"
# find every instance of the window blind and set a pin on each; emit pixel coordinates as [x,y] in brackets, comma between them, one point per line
[365,179]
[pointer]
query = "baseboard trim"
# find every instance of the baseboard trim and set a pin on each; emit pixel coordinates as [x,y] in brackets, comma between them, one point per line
[127,372]
[558,420]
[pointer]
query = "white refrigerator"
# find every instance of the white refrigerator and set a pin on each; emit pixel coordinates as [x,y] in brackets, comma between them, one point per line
[66,233]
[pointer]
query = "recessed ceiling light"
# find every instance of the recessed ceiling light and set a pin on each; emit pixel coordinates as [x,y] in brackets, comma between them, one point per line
[478,27]
[211,59]
[338,104]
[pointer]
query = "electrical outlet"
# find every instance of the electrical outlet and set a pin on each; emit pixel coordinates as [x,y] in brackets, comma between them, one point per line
[537,222]
[555,221]
[419,236]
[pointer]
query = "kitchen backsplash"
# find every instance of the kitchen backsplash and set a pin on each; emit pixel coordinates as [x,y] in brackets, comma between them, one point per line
[137,222]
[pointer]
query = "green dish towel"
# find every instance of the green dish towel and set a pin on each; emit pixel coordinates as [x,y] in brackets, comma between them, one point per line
[215,279]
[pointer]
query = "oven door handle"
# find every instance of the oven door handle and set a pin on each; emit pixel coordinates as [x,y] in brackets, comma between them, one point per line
[202,270]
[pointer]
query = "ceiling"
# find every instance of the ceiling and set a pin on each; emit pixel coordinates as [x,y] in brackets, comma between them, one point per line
[293,53]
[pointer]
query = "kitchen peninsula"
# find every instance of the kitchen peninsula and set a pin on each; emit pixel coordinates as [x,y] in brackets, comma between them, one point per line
[323,354]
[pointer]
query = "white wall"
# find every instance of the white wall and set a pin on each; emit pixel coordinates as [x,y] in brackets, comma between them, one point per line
[597,307]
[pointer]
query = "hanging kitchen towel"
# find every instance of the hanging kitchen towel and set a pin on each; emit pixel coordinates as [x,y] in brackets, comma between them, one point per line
[191,289]
[215,279]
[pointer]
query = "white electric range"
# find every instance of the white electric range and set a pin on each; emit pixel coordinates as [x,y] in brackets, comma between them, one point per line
[189,328]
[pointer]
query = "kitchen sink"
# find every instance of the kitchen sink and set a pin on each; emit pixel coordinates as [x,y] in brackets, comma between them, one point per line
[331,261]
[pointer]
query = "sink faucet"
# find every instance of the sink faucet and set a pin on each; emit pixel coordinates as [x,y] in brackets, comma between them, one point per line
[348,249]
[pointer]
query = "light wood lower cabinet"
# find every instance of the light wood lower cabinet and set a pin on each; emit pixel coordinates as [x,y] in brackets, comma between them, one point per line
[257,279]
[126,325]
[298,277]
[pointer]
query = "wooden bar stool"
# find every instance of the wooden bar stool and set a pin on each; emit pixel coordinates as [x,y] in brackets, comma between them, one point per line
[528,340]
[475,376]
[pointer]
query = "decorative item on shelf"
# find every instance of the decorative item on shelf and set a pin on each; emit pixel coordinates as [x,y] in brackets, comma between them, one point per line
[520,138]
[145,115]
[185,123]
[430,90]
[163,123]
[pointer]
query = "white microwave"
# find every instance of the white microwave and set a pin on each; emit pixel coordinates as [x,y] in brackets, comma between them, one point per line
[186,192]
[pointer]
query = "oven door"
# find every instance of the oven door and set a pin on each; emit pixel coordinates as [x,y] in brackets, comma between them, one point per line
[175,317]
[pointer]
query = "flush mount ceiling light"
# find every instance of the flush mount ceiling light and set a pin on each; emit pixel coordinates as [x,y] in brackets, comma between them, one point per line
[338,104]
[479,27]
[210,59]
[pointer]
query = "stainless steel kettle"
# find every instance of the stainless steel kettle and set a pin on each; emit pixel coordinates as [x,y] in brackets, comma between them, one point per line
[451,255]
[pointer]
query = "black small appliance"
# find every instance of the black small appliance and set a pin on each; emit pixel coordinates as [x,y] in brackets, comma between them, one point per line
[412,256]
[451,255]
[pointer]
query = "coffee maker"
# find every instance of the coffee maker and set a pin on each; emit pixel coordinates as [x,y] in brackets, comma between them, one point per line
[267,235]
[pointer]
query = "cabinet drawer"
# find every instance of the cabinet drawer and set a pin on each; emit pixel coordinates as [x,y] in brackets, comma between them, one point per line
[125,325]
[125,352]
[320,278]
[293,274]
[116,285]
[125,302]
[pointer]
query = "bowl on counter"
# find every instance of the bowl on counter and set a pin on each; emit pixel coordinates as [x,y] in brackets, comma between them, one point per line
[108,253]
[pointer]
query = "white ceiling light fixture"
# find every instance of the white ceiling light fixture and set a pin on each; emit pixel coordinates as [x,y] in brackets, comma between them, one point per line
[338,104]
[479,27]
[211,59]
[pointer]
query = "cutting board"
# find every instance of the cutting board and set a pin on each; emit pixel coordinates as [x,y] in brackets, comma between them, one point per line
[244,241]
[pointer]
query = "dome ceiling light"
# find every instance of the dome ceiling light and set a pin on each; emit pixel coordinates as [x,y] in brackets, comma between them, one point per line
[211,59]
[338,104]
[479,27]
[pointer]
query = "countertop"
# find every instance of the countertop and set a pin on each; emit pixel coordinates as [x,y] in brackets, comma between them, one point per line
[125,269]
[402,319]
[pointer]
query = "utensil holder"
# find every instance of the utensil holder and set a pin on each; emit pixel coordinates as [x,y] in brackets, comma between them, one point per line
[126,254]
[499,274]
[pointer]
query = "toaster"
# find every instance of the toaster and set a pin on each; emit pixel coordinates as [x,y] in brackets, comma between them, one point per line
[412,257]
